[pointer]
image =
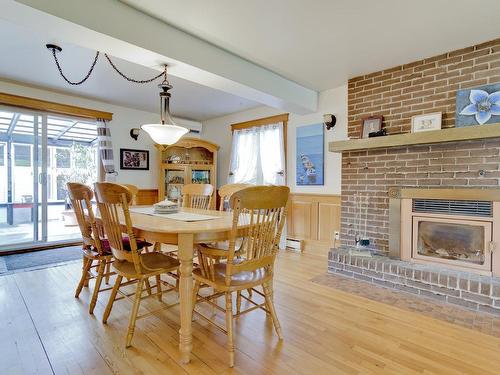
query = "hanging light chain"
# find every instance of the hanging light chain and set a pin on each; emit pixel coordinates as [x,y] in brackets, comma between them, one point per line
[65,78]
[131,79]
[55,49]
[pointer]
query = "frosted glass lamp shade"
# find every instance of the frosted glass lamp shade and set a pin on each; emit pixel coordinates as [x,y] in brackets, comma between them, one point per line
[164,134]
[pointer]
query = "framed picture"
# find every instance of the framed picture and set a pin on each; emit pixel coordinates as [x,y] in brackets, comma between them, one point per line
[310,155]
[134,159]
[478,106]
[423,123]
[370,125]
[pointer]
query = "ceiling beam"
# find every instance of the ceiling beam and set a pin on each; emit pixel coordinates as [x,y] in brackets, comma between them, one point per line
[122,31]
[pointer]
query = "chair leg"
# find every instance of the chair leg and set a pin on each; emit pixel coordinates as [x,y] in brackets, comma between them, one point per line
[87,275]
[229,327]
[238,301]
[158,287]
[268,293]
[108,271]
[148,286]
[97,286]
[133,314]
[87,263]
[250,294]
[112,298]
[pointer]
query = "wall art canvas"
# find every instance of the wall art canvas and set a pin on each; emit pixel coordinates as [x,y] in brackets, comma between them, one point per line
[478,106]
[134,159]
[310,155]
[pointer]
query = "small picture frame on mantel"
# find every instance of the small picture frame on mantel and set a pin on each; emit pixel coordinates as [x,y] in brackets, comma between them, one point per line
[426,122]
[371,124]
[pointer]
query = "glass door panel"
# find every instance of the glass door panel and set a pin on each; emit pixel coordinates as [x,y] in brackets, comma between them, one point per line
[71,157]
[19,139]
[201,175]
[39,154]
[174,181]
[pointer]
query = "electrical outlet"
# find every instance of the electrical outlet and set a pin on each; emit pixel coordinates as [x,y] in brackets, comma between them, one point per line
[337,235]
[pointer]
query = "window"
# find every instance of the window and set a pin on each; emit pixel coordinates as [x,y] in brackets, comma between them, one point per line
[63,158]
[22,155]
[258,152]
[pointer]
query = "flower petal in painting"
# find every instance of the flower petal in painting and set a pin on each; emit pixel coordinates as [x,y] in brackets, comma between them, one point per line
[494,98]
[495,109]
[477,96]
[483,116]
[470,110]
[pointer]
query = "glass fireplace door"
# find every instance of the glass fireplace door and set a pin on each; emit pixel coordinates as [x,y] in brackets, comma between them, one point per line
[459,242]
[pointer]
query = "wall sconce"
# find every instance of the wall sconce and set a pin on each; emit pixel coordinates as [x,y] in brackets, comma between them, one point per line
[134,133]
[329,120]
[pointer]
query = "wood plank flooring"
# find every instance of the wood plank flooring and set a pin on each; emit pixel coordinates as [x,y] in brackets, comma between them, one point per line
[45,330]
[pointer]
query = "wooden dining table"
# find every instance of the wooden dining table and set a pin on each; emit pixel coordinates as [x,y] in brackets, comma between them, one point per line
[185,235]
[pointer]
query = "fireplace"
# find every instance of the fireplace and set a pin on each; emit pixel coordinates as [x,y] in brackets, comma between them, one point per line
[455,228]
[458,242]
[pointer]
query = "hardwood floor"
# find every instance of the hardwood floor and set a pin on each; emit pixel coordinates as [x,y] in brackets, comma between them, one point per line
[44,330]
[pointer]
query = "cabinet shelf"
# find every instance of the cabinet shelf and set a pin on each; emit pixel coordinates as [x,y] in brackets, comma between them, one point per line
[428,137]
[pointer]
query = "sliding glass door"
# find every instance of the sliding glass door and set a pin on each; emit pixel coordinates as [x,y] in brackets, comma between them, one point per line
[39,154]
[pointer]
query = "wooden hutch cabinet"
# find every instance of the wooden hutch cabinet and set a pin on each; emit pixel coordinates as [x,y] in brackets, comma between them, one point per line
[189,161]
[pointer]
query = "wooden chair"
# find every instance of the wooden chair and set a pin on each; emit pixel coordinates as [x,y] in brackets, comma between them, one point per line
[134,190]
[197,196]
[95,252]
[259,214]
[225,193]
[95,247]
[113,201]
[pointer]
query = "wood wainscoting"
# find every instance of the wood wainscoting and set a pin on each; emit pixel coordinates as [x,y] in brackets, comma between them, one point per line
[147,197]
[314,219]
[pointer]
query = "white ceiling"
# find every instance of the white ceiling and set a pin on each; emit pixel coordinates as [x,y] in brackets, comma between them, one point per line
[321,43]
[25,59]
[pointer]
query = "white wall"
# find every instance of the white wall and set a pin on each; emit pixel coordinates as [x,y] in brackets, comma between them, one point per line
[123,120]
[333,101]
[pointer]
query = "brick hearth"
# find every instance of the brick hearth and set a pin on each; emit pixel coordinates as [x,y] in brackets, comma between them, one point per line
[479,293]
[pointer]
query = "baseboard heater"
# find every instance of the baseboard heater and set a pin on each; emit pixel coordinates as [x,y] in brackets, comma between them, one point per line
[294,244]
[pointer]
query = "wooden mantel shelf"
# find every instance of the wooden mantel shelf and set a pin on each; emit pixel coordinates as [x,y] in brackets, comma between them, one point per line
[429,137]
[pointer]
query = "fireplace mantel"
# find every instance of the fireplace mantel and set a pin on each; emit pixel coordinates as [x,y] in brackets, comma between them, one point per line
[428,137]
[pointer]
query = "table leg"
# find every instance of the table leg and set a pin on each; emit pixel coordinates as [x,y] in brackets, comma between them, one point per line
[186,294]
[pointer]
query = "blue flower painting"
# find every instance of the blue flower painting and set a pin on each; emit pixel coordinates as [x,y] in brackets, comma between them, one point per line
[310,155]
[478,106]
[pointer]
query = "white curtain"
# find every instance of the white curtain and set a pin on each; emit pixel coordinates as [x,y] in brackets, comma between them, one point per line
[258,156]
[106,150]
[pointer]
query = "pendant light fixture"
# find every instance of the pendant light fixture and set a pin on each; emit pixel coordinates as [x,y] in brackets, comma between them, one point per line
[167,132]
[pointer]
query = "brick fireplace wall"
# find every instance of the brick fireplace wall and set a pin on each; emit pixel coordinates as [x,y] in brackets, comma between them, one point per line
[398,93]
[424,86]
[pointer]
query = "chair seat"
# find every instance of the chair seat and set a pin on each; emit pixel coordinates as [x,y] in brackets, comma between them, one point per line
[126,244]
[239,281]
[154,264]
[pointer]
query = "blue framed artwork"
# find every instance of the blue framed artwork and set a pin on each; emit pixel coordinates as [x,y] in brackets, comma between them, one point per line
[478,106]
[310,155]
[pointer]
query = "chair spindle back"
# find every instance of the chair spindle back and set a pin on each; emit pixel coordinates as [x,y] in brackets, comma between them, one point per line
[113,202]
[134,190]
[197,196]
[225,193]
[259,214]
[81,196]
